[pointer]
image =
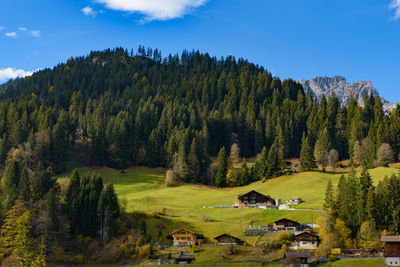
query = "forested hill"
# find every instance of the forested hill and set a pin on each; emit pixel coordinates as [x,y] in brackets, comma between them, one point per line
[139,108]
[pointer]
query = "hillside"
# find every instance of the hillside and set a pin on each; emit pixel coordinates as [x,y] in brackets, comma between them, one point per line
[117,108]
[145,191]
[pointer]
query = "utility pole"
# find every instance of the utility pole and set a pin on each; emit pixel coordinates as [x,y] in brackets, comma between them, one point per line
[312,221]
[241,219]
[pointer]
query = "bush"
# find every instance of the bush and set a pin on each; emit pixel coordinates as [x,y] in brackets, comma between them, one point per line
[79,259]
[163,211]
[207,218]
[285,236]
[144,251]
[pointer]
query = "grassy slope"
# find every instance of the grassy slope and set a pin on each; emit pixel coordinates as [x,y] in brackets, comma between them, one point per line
[144,190]
[357,263]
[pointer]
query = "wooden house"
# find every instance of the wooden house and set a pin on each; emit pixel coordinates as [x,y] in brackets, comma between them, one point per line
[184,237]
[184,259]
[392,250]
[296,259]
[254,198]
[306,240]
[284,225]
[226,239]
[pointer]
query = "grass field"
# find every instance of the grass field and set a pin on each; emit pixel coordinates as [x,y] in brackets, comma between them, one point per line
[357,263]
[187,204]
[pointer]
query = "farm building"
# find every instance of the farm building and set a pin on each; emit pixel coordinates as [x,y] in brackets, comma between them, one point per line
[306,241]
[284,225]
[183,258]
[226,239]
[254,198]
[392,250]
[183,237]
[294,259]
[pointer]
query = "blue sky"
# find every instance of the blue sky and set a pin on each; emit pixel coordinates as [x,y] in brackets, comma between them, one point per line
[359,39]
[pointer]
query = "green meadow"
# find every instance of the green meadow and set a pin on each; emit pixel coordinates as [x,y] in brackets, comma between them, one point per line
[195,206]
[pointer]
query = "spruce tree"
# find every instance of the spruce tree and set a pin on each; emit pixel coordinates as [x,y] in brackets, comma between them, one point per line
[222,169]
[307,161]
[243,176]
[108,210]
[329,197]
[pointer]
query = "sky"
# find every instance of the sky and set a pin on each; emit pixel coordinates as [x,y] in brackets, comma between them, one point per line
[298,39]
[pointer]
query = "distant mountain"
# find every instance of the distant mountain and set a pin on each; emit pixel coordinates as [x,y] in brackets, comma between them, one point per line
[343,90]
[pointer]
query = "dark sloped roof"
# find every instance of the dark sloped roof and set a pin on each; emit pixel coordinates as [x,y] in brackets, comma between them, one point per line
[284,219]
[184,230]
[306,233]
[252,191]
[291,254]
[228,236]
[390,238]
[185,257]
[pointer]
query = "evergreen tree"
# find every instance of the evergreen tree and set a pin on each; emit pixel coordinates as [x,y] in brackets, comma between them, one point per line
[307,161]
[222,169]
[243,176]
[329,197]
[11,181]
[108,211]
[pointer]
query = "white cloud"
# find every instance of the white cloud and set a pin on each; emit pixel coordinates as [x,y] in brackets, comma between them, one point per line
[395,4]
[35,33]
[22,29]
[12,73]
[11,34]
[89,11]
[154,9]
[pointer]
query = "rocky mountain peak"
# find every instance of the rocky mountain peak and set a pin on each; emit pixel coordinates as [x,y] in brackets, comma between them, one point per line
[320,86]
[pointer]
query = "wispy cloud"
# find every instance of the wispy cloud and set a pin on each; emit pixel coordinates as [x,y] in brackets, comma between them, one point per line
[89,11]
[11,34]
[1,28]
[22,29]
[154,9]
[395,4]
[12,73]
[35,33]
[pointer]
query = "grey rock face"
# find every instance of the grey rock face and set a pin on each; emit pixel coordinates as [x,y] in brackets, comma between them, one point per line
[344,91]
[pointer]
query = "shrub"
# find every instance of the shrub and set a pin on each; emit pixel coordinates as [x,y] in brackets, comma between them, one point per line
[163,211]
[207,218]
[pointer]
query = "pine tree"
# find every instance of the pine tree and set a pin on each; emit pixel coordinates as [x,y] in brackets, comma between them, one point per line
[260,167]
[243,176]
[329,197]
[11,181]
[322,147]
[307,160]
[51,208]
[24,188]
[108,211]
[222,169]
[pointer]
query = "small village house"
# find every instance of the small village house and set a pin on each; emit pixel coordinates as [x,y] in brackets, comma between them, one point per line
[296,259]
[284,225]
[183,258]
[306,240]
[392,250]
[254,198]
[184,237]
[226,239]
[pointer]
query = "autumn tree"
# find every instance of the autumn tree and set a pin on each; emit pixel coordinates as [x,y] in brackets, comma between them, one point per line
[384,155]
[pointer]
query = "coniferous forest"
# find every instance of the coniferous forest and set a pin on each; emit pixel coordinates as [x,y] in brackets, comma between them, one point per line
[118,108]
[183,112]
